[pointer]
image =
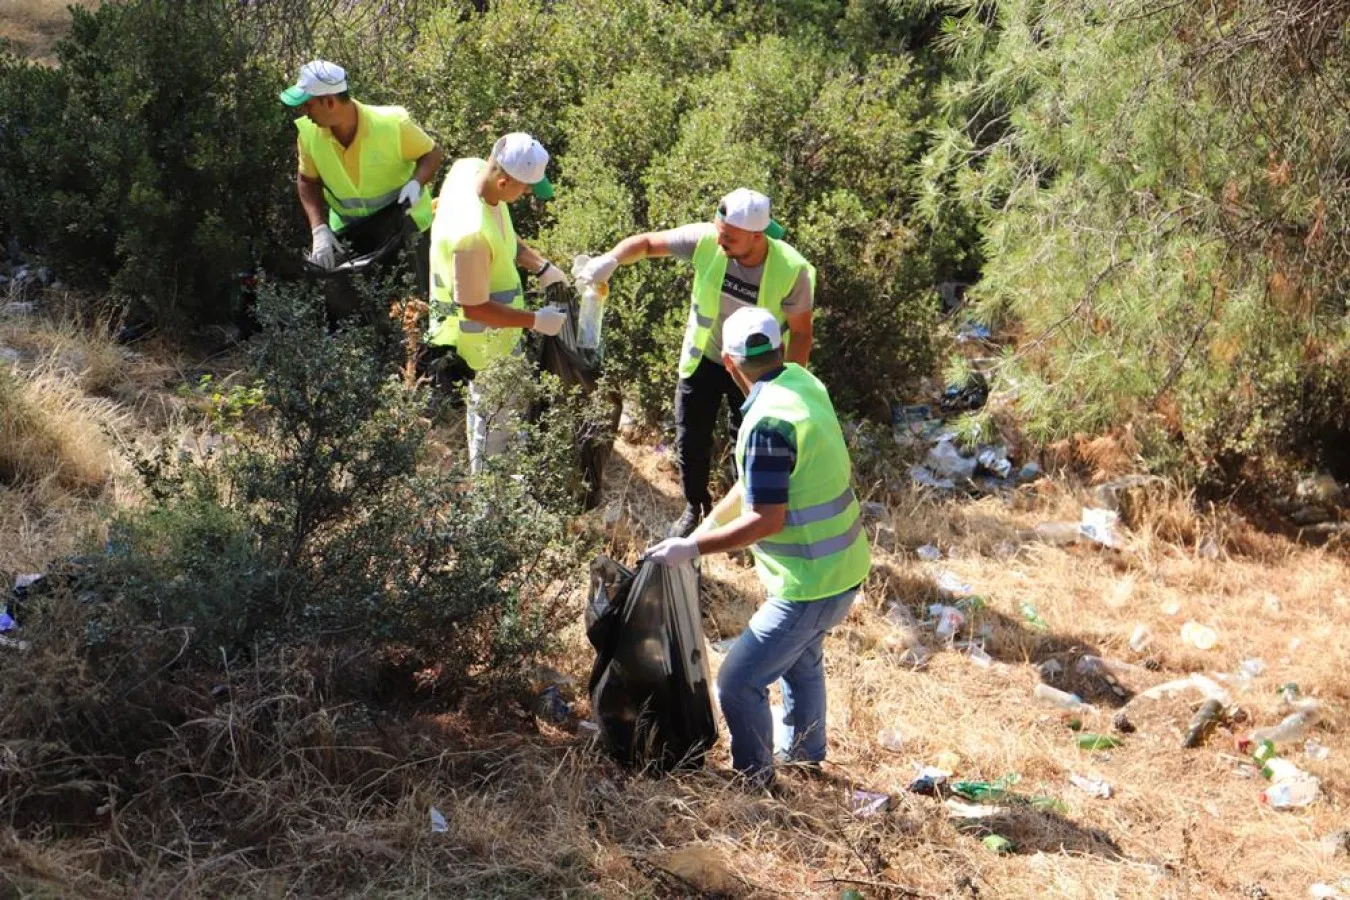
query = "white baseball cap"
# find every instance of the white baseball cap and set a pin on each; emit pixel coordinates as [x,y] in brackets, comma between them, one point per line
[317,79]
[745,209]
[524,159]
[751,331]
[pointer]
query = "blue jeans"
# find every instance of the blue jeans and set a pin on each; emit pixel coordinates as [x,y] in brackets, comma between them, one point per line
[783,641]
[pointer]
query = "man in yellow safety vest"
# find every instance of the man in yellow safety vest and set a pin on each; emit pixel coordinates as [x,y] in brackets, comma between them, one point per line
[477,302]
[357,160]
[740,261]
[793,505]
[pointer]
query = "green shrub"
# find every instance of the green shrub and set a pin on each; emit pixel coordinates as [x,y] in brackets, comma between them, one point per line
[318,517]
[150,161]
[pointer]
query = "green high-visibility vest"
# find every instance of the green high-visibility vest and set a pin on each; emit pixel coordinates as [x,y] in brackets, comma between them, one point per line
[782,267]
[381,171]
[460,216]
[822,550]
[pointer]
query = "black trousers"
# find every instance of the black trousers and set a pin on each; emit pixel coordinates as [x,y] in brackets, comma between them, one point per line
[697,399]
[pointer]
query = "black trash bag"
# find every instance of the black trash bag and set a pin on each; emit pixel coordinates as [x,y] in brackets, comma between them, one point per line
[369,247]
[581,368]
[649,685]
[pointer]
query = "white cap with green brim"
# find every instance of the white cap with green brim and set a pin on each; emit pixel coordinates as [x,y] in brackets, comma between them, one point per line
[526,160]
[317,79]
[751,331]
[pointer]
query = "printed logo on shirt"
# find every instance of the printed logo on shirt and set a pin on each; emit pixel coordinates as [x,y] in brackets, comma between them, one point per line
[740,290]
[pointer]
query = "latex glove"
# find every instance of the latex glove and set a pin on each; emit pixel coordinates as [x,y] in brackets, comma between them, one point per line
[551,275]
[673,551]
[411,193]
[324,250]
[549,320]
[598,270]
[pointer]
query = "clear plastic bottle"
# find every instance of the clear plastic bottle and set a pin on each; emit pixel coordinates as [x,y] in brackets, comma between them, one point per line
[591,315]
[1063,699]
[1294,728]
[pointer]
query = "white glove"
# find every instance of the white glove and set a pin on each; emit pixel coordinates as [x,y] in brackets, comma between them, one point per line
[411,193]
[598,270]
[551,275]
[549,320]
[673,551]
[323,252]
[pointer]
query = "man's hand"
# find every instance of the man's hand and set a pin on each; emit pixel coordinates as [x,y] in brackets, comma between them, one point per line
[323,251]
[550,275]
[411,193]
[598,270]
[673,551]
[549,321]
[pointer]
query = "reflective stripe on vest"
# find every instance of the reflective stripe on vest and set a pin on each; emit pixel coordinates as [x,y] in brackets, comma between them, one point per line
[460,214]
[822,550]
[782,267]
[381,170]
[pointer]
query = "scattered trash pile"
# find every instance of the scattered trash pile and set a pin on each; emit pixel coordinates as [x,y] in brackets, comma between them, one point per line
[12,616]
[1105,706]
[985,469]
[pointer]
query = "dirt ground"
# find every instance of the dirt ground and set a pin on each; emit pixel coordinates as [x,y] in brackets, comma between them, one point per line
[33,27]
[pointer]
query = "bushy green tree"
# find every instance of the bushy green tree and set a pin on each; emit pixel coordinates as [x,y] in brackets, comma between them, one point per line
[1159,189]
[149,162]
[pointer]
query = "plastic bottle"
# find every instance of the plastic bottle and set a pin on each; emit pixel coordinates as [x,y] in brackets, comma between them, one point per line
[1291,794]
[1293,728]
[1055,697]
[592,312]
[949,620]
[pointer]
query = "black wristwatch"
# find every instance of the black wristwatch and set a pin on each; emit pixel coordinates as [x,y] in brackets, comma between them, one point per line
[542,269]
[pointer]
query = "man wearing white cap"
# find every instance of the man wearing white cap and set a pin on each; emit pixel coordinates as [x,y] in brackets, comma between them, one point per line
[793,506]
[740,261]
[357,158]
[477,304]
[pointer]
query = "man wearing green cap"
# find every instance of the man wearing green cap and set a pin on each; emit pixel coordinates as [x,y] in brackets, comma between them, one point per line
[477,303]
[740,261]
[357,158]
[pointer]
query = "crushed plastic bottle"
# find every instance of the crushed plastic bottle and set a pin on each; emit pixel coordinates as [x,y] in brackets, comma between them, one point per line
[1097,787]
[1313,750]
[1201,637]
[1294,727]
[948,620]
[1247,672]
[928,553]
[891,738]
[1140,638]
[1062,699]
[1294,793]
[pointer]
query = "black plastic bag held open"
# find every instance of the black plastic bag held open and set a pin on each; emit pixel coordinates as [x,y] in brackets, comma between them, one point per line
[649,686]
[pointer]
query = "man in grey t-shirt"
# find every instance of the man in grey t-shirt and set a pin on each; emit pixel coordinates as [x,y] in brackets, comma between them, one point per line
[756,268]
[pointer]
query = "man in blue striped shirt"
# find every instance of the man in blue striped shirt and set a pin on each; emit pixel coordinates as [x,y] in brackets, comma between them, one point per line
[794,506]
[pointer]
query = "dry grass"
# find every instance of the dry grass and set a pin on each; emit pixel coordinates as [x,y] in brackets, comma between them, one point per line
[70,403]
[273,790]
[34,26]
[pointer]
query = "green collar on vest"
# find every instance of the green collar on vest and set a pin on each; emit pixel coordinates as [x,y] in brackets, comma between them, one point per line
[759,383]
